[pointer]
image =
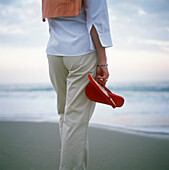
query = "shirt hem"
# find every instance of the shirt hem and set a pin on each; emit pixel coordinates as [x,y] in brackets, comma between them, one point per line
[69,55]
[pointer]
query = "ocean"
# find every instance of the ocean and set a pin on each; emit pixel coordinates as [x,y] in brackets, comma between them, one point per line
[146,107]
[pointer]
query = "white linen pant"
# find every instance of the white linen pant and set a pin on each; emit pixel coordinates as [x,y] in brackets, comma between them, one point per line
[69,76]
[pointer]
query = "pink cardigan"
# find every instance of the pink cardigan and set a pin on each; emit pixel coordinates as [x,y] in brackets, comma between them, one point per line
[58,8]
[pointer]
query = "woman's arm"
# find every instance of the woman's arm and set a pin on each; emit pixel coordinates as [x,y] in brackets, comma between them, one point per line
[97,22]
[102,71]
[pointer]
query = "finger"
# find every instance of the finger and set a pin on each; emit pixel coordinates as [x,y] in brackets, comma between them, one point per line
[101,81]
[103,78]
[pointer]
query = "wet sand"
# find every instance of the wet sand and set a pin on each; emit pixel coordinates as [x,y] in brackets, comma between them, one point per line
[35,146]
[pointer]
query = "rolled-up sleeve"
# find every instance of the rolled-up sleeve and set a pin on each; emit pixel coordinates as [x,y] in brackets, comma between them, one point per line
[97,16]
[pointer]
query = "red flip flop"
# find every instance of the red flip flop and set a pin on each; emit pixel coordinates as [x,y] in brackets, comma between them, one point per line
[101,94]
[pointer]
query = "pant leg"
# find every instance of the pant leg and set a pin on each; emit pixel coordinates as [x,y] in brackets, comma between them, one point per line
[78,111]
[58,74]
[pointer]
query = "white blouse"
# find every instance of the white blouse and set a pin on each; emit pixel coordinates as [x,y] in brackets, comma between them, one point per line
[70,36]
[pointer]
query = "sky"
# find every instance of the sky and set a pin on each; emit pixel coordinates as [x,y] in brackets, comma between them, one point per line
[139,30]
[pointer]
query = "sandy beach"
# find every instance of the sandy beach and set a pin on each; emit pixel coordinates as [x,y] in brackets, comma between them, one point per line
[35,146]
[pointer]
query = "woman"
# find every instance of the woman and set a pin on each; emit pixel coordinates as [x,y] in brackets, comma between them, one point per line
[76,48]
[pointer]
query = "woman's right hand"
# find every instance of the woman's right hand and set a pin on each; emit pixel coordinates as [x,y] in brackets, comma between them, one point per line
[102,74]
